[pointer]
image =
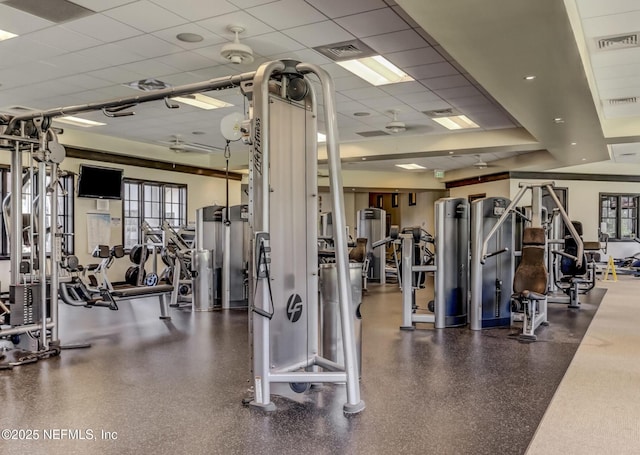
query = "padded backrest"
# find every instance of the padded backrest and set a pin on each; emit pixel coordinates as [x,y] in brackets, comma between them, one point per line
[117,251]
[358,253]
[531,274]
[567,265]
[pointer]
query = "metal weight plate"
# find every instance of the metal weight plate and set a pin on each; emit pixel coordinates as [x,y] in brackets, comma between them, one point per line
[151,279]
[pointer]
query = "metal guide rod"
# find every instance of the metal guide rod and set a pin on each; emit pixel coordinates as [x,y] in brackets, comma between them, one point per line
[502,219]
[212,84]
[570,226]
[354,404]
[15,230]
[55,258]
[42,249]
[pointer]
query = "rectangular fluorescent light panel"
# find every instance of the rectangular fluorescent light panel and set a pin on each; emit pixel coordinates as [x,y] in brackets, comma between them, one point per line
[202,101]
[6,35]
[376,70]
[77,121]
[456,122]
[411,166]
[322,137]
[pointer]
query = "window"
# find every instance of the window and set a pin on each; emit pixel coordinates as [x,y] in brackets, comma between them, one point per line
[153,202]
[619,215]
[65,211]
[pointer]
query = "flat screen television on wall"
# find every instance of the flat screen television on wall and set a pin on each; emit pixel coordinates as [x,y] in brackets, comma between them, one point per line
[99,182]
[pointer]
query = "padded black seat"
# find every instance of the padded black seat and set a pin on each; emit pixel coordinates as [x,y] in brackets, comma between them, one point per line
[140,291]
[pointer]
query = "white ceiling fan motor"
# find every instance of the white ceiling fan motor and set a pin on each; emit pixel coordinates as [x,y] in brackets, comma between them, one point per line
[236,52]
[395,125]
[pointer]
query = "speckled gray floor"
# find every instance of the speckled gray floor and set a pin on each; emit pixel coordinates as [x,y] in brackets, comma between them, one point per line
[176,387]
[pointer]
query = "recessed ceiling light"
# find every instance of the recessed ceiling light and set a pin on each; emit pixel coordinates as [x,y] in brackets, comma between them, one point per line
[361,114]
[202,101]
[456,122]
[364,158]
[450,153]
[376,70]
[189,37]
[529,78]
[584,159]
[410,166]
[558,120]
[198,133]
[574,143]
[322,137]
[6,35]
[78,121]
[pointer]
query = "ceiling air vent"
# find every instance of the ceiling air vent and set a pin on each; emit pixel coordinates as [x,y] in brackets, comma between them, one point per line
[617,101]
[374,133]
[346,50]
[441,112]
[617,42]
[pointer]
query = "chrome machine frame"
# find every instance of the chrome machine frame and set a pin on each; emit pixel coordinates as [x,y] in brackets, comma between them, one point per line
[277,299]
[537,316]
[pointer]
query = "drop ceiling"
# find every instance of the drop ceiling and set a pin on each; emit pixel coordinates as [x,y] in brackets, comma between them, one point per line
[463,55]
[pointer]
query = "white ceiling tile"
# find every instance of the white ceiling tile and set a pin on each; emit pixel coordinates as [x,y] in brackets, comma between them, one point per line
[349,82]
[394,42]
[470,101]
[337,71]
[116,75]
[420,97]
[111,54]
[285,14]
[384,103]
[592,8]
[273,44]
[414,57]
[21,50]
[64,39]
[350,107]
[208,37]
[403,87]
[243,4]
[219,24]
[373,23]
[622,110]
[186,61]
[306,56]
[196,10]
[360,94]
[445,82]
[431,70]
[617,57]
[15,21]
[339,8]
[102,28]
[149,68]
[613,72]
[145,16]
[620,91]
[83,82]
[78,62]
[492,120]
[457,92]
[400,12]
[614,24]
[101,5]
[149,46]
[318,34]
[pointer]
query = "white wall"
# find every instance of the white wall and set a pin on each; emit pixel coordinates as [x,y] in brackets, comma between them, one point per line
[583,203]
[201,191]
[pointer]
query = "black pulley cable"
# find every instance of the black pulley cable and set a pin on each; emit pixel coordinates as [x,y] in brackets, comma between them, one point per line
[227,155]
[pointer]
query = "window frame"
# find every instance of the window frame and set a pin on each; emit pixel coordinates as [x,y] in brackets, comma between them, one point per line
[144,205]
[618,215]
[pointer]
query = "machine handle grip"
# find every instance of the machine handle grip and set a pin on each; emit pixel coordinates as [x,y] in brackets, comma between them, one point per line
[495,253]
[381,242]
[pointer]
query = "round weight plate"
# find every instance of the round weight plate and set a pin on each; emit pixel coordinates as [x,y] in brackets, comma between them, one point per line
[151,279]
[299,387]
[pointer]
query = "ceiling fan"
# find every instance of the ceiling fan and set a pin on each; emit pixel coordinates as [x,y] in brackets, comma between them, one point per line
[396,125]
[178,145]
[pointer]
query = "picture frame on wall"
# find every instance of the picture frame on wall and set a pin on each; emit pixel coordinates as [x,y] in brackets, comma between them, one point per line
[412,199]
[395,200]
